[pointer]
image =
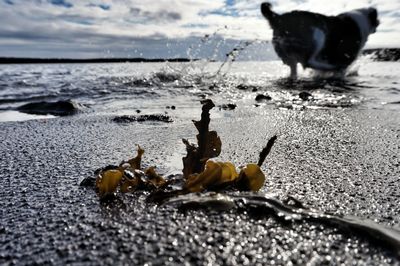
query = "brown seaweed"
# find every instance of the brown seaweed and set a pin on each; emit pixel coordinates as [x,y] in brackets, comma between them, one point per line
[264,153]
[200,172]
[127,177]
[209,143]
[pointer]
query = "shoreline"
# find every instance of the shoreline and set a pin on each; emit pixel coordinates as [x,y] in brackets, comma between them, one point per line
[339,161]
[380,54]
[17,60]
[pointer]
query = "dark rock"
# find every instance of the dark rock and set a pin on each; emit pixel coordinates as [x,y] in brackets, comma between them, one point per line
[213,86]
[60,108]
[124,119]
[228,106]
[262,97]
[154,117]
[241,87]
[244,87]
[305,96]
[142,118]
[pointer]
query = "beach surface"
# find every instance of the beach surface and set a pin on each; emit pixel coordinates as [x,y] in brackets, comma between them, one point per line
[337,152]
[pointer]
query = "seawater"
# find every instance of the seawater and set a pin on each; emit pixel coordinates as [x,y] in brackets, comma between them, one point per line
[127,88]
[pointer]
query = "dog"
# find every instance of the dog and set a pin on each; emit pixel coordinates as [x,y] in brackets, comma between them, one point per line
[325,43]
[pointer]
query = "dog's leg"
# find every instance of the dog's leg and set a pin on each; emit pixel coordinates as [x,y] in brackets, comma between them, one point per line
[319,42]
[293,70]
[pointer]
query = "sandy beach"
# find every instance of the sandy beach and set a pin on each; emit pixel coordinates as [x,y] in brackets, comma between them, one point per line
[204,133]
[341,161]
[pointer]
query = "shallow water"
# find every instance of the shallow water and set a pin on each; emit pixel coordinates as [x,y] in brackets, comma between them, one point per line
[124,88]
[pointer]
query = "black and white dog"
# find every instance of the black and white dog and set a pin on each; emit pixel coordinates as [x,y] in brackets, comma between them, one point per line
[327,43]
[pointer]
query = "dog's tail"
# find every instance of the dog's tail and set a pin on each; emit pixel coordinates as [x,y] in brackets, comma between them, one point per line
[268,13]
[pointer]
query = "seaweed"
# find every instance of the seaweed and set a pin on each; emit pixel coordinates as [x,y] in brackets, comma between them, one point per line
[264,153]
[289,212]
[209,143]
[200,171]
[207,184]
[127,177]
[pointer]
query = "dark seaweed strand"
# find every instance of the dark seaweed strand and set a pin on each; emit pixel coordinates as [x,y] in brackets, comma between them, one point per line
[388,237]
[202,138]
[264,153]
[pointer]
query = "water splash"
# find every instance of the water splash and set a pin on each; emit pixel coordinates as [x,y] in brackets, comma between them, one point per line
[198,72]
[233,55]
[124,88]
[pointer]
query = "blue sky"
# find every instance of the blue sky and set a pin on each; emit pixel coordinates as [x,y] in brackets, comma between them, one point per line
[159,28]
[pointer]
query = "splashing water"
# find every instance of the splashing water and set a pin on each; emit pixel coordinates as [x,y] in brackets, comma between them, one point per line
[150,87]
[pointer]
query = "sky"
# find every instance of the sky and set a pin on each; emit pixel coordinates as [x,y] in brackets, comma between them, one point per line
[161,28]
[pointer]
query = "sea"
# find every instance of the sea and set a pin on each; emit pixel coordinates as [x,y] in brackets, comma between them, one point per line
[154,88]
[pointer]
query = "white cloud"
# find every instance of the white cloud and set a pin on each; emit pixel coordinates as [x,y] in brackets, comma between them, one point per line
[128,25]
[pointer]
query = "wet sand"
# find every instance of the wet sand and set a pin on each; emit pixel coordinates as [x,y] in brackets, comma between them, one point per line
[343,161]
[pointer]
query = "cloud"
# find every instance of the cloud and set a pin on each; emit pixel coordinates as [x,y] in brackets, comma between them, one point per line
[159,16]
[134,27]
[102,6]
[62,3]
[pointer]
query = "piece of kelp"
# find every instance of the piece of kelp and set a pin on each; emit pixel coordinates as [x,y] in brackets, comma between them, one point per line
[200,172]
[127,177]
[264,206]
[209,144]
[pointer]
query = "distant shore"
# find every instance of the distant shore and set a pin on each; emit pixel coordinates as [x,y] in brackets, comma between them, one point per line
[25,60]
[379,54]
